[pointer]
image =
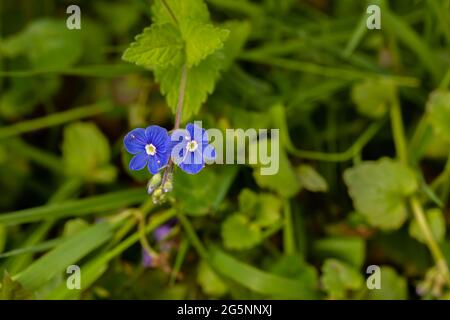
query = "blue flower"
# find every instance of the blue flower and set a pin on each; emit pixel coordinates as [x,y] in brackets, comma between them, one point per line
[190,148]
[151,147]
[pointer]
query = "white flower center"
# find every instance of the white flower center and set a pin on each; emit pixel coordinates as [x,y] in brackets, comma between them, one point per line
[150,149]
[192,146]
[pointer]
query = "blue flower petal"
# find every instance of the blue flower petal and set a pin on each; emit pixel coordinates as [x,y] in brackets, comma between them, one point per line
[139,161]
[157,136]
[193,163]
[196,133]
[135,141]
[154,164]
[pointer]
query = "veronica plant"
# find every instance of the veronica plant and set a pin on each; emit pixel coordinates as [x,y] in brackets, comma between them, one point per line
[186,52]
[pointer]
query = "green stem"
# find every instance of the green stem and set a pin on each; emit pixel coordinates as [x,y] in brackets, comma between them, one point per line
[398,131]
[347,155]
[432,245]
[288,234]
[192,236]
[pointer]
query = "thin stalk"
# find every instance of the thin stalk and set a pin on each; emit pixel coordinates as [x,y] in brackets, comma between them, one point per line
[181,93]
[288,234]
[398,131]
[432,245]
[347,155]
[192,236]
[416,206]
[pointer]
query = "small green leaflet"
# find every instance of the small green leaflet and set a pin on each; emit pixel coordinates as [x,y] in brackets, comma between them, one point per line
[379,188]
[158,46]
[310,179]
[209,281]
[372,97]
[239,233]
[339,277]
[201,41]
[86,153]
[244,229]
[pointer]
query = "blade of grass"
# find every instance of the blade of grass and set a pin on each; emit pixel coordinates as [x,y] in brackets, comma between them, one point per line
[257,280]
[67,253]
[54,119]
[95,204]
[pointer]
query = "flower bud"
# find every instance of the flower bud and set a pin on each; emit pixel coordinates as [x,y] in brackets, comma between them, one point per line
[153,183]
[158,196]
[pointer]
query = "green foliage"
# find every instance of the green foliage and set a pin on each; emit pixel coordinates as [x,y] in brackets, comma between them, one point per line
[86,153]
[329,89]
[350,250]
[393,286]
[338,278]
[436,221]
[373,97]
[180,37]
[46,43]
[13,290]
[310,179]
[379,190]
[244,229]
[157,46]
[438,109]
[211,284]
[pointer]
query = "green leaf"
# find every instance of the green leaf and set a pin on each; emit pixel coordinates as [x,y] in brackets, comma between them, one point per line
[436,221]
[204,192]
[438,109]
[200,82]
[284,182]
[256,280]
[372,97]
[269,210]
[67,253]
[293,267]
[263,208]
[185,11]
[310,179]
[339,277]
[239,233]
[13,290]
[348,249]
[156,46]
[393,286]
[201,41]
[210,282]
[379,189]
[47,43]
[86,153]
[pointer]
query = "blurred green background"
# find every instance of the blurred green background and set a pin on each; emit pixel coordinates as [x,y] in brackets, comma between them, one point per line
[342,96]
